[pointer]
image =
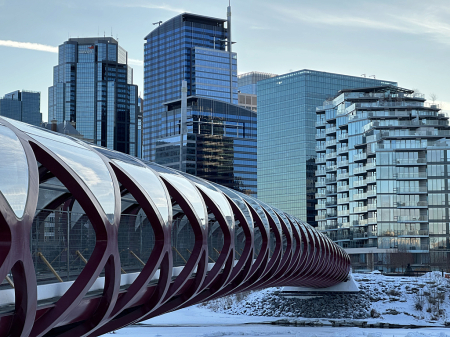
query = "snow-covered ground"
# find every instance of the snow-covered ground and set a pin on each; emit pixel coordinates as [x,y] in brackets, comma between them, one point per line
[395,299]
[200,322]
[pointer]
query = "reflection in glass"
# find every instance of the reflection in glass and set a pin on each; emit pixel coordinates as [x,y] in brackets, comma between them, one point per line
[151,184]
[90,168]
[13,171]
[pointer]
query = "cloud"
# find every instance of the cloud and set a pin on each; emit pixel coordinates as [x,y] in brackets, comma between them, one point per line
[28,45]
[50,49]
[151,6]
[429,21]
[135,62]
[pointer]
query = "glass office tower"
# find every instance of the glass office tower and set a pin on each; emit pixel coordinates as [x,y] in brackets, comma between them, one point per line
[247,89]
[23,106]
[220,144]
[93,89]
[286,135]
[187,47]
[383,165]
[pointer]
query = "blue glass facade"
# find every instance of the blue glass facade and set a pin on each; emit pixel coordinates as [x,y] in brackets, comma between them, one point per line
[23,106]
[187,47]
[220,144]
[286,135]
[93,89]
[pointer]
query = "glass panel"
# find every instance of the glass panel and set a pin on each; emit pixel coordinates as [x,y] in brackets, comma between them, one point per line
[31,130]
[13,171]
[258,209]
[89,167]
[239,202]
[151,184]
[218,198]
[190,194]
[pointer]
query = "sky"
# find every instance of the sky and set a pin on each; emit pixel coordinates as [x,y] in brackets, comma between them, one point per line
[407,41]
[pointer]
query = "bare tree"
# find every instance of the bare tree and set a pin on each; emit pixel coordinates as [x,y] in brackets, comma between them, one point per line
[433,97]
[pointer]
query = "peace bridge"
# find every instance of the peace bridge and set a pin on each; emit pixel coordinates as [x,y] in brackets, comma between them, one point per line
[92,240]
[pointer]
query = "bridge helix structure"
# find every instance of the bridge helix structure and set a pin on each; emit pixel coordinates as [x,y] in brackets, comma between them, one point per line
[92,240]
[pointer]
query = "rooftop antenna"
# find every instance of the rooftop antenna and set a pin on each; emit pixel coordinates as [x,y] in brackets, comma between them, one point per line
[157,23]
[363,75]
[373,76]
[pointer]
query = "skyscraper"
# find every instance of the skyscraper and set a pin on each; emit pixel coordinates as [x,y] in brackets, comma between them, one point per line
[187,47]
[247,89]
[23,106]
[199,129]
[93,89]
[286,135]
[383,157]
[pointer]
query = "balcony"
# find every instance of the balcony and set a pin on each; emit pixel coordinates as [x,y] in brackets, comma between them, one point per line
[359,170]
[343,213]
[343,201]
[320,217]
[343,136]
[331,203]
[360,222]
[370,166]
[320,183]
[320,206]
[331,155]
[372,221]
[371,179]
[320,160]
[411,190]
[321,172]
[343,237]
[331,168]
[372,206]
[342,176]
[320,148]
[330,143]
[359,183]
[344,225]
[420,218]
[417,161]
[330,180]
[330,130]
[371,193]
[360,156]
[331,214]
[342,149]
[343,188]
[359,196]
[361,209]
[411,176]
[320,135]
[320,123]
[320,195]
[342,163]
[413,233]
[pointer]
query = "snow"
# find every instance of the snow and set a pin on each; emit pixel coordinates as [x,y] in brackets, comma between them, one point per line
[197,321]
[386,293]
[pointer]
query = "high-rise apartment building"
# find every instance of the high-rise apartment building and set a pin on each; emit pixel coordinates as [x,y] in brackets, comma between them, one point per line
[199,129]
[383,169]
[93,89]
[286,135]
[23,106]
[247,89]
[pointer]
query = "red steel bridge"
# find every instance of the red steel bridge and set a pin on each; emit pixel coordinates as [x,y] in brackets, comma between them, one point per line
[92,240]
